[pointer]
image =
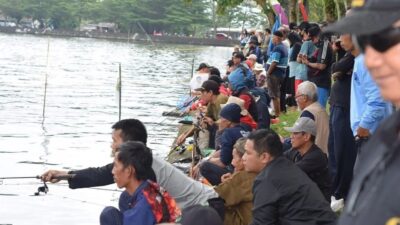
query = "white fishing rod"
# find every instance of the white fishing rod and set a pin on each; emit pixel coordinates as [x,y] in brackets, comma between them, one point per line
[45,82]
[119,89]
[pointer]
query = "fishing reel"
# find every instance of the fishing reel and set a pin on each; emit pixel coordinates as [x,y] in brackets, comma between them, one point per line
[42,189]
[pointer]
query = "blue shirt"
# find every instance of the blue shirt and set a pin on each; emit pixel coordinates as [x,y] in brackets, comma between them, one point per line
[279,54]
[367,108]
[307,48]
[228,139]
[136,209]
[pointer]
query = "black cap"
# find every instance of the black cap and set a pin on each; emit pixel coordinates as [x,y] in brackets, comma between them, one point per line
[215,71]
[278,33]
[314,31]
[216,78]
[200,215]
[202,66]
[209,85]
[239,55]
[293,26]
[367,17]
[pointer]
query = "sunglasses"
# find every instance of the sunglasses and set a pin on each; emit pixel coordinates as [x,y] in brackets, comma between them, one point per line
[381,41]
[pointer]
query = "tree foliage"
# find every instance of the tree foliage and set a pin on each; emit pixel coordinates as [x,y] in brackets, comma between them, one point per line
[154,15]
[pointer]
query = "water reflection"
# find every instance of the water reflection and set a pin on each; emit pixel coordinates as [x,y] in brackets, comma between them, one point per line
[81,103]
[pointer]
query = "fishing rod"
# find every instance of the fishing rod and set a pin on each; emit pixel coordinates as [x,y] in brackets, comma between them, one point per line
[41,189]
[45,82]
[119,86]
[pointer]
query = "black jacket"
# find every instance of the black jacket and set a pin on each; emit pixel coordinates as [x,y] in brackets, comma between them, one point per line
[315,164]
[374,196]
[95,176]
[284,195]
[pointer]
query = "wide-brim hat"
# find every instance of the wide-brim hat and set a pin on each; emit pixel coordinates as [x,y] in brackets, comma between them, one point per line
[367,17]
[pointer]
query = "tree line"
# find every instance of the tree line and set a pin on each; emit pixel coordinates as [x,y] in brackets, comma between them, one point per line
[170,16]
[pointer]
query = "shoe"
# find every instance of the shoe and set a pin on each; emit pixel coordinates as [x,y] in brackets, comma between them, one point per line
[337,205]
[275,121]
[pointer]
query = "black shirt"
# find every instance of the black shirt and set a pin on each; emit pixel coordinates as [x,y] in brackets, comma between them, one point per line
[283,194]
[323,54]
[340,93]
[315,164]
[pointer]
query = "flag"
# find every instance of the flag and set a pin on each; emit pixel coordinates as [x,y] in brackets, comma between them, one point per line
[303,11]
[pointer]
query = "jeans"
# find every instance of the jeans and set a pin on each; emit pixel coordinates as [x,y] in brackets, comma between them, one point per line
[213,173]
[342,151]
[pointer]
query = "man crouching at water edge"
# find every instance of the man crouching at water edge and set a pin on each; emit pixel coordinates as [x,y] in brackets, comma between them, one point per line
[183,189]
[143,201]
[283,193]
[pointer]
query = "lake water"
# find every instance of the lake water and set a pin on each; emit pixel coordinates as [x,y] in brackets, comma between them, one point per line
[81,107]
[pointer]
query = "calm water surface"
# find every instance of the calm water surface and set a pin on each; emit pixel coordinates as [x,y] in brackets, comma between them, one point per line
[81,107]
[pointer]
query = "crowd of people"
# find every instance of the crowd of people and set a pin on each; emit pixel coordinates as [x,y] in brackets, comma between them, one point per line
[256,176]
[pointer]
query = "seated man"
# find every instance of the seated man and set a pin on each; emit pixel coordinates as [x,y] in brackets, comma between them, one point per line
[211,96]
[308,156]
[183,189]
[235,189]
[307,100]
[283,193]
[220,162]
[142,202]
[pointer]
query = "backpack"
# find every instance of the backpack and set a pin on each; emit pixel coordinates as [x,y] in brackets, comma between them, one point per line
[162,204]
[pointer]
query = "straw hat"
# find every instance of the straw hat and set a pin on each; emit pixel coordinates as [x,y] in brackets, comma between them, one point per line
[239,102]
[258,67]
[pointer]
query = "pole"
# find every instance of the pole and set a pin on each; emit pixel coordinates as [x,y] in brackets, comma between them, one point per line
[45,82]
[191,76]
[119,92]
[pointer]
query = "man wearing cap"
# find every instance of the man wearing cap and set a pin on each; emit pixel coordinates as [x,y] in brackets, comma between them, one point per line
[251,61]
[220,162]
[198,79]
[276,69]
[283,193]
[308,156]
[374,196]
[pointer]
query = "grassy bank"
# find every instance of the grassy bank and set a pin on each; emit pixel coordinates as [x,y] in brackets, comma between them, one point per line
[286,120]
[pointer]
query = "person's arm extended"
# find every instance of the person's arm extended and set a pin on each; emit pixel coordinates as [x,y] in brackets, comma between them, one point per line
[92,177]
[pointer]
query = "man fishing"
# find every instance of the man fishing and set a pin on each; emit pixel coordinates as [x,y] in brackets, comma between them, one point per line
[184,190]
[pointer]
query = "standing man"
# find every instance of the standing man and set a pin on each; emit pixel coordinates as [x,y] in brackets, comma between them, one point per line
[374,195]
[283,193]
[276,70]
[319,65]
[368,108]
[341,146]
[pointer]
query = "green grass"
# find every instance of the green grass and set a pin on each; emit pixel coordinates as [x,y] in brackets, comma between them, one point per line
[286,120]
